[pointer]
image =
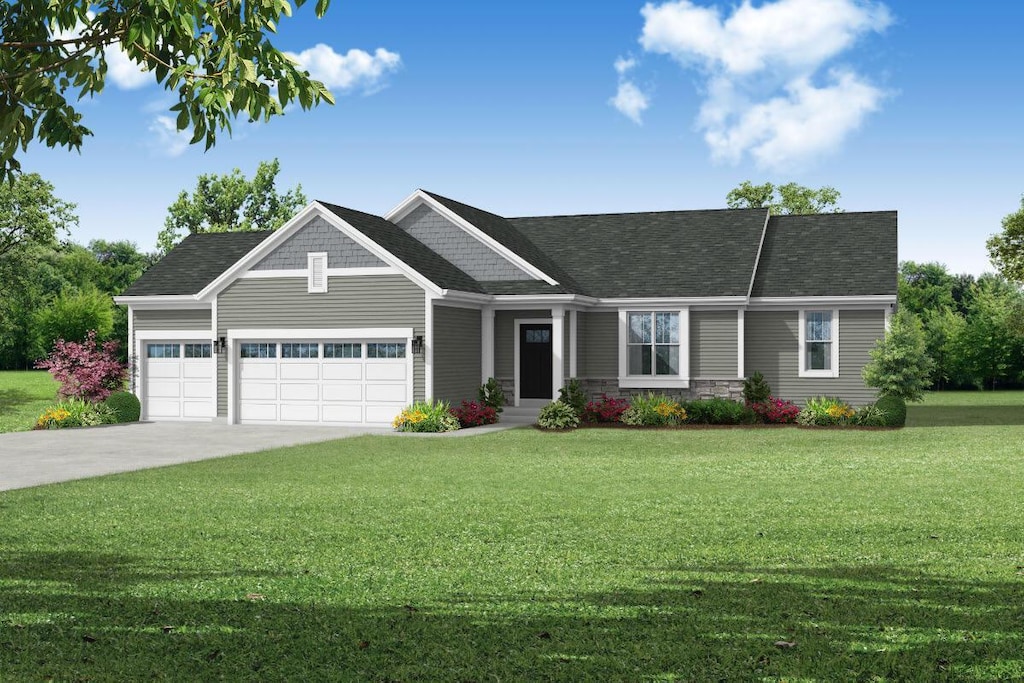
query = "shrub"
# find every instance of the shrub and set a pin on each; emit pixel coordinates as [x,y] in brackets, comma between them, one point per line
[900,365]
[607,409]
[756,389]
[654,410]
[73,314]
[85,369]
[472,414]
[124,405]
[719,411]
[776,411]
[491,395]
[75,412]
[894,409]
[426,416]
[572,394]
[825,411]
[558,415]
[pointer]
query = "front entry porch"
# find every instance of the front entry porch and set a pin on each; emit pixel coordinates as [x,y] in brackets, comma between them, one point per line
[531,352]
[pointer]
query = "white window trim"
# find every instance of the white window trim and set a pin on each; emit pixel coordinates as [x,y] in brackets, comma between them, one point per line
[311,258]
[833,372]
[682,380]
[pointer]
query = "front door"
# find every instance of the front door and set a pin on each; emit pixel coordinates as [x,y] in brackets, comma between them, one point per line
[535,360]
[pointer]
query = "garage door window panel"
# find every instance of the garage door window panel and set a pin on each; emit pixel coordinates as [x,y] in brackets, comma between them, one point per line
[343,350]
[292,350]
[255,350]
[385,350]
[198,351]
[163,350]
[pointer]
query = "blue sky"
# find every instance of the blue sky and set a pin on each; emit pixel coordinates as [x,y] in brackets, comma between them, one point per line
[536,107]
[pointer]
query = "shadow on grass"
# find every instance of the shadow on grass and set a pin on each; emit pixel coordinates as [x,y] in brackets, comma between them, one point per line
[12,398]
[965,416]
[103,617]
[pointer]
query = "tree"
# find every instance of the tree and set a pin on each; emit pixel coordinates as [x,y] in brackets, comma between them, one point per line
[230,203]
[73,315]
[87,369]
[1006,249]
[899,364]
[30,213]
[991,345]
[215,55]
[790,198]
[924,287]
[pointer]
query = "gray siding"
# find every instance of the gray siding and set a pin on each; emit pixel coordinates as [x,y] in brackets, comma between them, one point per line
[173,320]
[318,236]
[376,301]
[456,353]
[505,339]
[772,347]
[713,344]
[450,241]
[599,345]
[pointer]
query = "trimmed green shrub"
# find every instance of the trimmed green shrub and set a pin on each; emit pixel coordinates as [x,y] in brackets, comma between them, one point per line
[572,394]
[558,415]
[825,411]
[718,411]
[426,416]
[124,405]
[894,409]
[75,412]
[491,395]
[756,389]
[653,410]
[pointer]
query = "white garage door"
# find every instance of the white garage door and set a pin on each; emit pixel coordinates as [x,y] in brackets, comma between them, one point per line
[178,380]
[324,382]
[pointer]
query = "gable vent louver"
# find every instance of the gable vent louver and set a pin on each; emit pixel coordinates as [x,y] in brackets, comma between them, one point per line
[318,272]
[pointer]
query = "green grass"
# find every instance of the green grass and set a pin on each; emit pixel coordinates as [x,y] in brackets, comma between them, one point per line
[522,555]
[24,395]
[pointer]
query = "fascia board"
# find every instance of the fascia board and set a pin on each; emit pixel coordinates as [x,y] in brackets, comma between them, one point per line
[673,301]
[161,301]
[873,300]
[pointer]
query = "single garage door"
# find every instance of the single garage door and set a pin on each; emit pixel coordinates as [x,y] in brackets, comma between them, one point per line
[177,380]
[323,382]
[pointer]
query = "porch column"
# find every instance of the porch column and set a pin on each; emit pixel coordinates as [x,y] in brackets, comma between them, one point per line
[486,344]
[557,349]
[574,341]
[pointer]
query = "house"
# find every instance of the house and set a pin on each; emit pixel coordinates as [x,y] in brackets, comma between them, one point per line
[345,317]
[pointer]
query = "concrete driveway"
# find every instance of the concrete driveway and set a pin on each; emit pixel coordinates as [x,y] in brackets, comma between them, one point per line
[45,457]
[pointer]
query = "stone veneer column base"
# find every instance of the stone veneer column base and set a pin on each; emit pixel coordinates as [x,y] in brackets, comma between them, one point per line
[699,388]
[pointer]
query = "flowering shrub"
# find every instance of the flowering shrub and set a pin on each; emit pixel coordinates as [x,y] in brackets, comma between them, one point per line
[85,370]
[654,410]
[426,416]
[776,411]
[607,409]
[472,414]
[75,412]
[824,411]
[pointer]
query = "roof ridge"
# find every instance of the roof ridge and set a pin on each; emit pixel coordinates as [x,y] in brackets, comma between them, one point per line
[635,213]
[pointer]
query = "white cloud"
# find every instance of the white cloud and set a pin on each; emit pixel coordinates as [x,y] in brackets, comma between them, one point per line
[630,101]
[167,139]
[761,64]
[356,69]
[123,72]
[624,64]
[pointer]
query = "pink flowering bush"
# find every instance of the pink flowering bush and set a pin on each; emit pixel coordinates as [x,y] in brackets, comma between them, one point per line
[607,409]
[472,414]
[86,370]
[776,411]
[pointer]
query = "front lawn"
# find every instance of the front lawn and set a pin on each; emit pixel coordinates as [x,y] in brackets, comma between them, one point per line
[521,555]
[24,395]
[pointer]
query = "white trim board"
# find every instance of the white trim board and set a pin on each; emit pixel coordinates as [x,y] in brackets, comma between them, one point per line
[833,371]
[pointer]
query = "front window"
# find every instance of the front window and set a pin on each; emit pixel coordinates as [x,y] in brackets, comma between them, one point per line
[653,344]
[819,346]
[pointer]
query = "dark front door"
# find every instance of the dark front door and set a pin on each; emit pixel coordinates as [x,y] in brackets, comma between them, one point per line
[535,360]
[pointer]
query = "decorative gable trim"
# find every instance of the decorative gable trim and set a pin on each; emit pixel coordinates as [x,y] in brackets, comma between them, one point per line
[760,248]
[419,197]
[265,247]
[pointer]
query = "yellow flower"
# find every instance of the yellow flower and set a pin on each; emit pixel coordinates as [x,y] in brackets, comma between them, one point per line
[840,411]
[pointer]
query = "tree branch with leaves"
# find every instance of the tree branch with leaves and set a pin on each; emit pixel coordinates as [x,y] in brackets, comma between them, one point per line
[216,55]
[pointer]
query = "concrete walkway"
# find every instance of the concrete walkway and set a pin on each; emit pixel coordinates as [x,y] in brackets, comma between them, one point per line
[45,457]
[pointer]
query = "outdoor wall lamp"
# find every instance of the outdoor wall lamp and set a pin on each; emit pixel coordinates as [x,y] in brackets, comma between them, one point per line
[219,344]
[417,344]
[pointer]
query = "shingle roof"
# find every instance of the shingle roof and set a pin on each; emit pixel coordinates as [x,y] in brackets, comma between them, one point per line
[502,231]
[196,262]
[663,254]
[410,250]
[840,254]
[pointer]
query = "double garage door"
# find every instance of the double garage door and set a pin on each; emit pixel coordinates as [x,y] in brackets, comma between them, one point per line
[326,382]
[280,381]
